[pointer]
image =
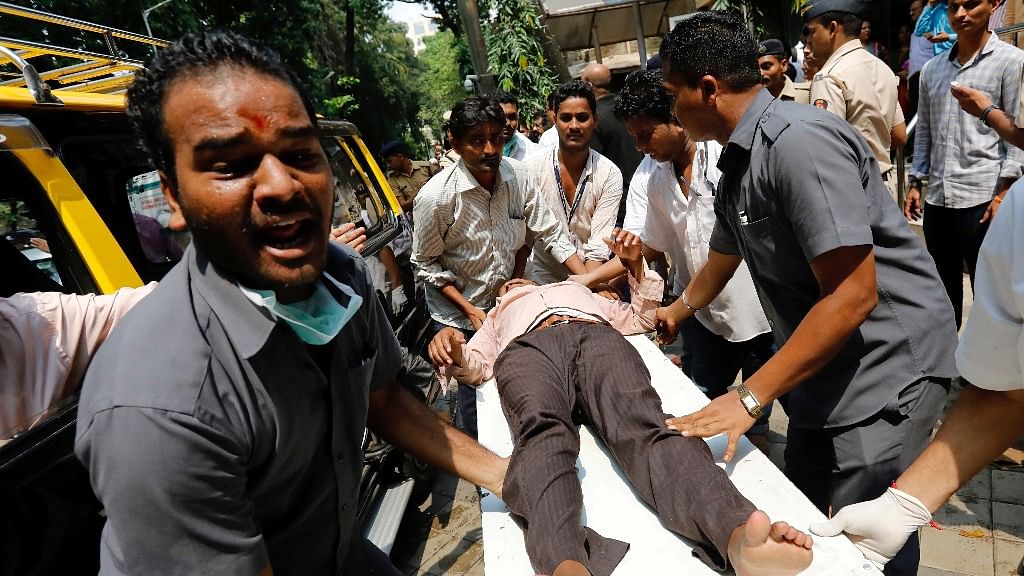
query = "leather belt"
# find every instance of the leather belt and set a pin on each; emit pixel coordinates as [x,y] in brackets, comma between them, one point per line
[559,319]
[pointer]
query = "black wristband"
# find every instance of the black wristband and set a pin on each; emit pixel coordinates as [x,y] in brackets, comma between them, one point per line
[986,112]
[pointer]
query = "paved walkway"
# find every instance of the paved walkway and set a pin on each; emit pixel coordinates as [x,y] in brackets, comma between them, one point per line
[982,535]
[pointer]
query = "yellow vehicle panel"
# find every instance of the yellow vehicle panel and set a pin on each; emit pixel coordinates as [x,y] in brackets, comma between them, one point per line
[14,97]
[107,263]
[379,175]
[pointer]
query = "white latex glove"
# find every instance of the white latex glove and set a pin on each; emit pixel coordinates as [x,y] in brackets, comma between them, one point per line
[398,299]
[878,527]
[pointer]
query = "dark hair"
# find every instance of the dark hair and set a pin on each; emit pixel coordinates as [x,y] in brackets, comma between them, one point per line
[472,112]
[574,89]
[712,43]
[850,23]
[643,95]
[504,97]
[192,55]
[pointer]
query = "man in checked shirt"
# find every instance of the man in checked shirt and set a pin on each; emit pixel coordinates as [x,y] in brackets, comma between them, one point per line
[472,220]
[969,168]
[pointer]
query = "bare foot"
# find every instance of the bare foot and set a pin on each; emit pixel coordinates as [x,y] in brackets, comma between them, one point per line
[570,568]
[764,549]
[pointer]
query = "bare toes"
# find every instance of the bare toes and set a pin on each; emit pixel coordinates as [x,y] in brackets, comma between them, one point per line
[780,529]
[793,534]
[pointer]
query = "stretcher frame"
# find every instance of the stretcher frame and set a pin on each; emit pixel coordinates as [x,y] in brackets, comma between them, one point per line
[613,509]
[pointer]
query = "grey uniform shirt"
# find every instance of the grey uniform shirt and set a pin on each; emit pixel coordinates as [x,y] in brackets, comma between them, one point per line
[799,182]
[213,439]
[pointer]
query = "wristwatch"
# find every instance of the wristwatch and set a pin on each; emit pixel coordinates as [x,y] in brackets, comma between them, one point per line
[986,112]
[750,402]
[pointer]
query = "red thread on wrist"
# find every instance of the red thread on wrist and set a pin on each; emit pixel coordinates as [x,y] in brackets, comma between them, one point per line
[932,523]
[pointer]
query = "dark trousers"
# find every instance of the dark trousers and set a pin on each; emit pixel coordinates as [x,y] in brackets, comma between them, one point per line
[553,380]
[365,559]
[713,362]
[953,236]
[465,396]
[835,467]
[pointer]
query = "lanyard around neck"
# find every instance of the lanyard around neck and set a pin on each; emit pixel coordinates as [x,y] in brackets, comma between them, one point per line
[581,187]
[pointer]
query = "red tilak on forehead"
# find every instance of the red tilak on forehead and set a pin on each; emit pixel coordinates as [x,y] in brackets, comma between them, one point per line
[260,120]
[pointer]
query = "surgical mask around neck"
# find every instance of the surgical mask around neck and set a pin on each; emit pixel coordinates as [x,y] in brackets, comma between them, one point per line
[315,320]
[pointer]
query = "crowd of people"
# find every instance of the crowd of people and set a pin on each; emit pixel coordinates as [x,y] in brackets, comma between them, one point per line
[714,197]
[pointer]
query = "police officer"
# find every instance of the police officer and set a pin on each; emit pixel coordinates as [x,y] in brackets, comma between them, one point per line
[865,329]
[773,61]
[405,175]
[852,83]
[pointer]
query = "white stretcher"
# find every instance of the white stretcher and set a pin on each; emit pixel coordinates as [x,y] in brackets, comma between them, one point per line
[613,509]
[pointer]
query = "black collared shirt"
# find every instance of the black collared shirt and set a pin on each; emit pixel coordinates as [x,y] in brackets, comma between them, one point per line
[798,182]
[215,442]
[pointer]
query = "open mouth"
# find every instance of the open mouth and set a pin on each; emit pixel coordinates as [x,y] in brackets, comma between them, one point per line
[288,239]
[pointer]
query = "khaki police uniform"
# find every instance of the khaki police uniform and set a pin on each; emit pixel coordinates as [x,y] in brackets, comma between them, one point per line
[450,158]
[859,87]
[406,187]
[796,92]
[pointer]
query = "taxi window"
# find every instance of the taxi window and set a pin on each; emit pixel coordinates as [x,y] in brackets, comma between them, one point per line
[151,215]
[27,251]
[358,196]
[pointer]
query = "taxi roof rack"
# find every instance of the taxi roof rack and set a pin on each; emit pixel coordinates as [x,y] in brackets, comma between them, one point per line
[92,72]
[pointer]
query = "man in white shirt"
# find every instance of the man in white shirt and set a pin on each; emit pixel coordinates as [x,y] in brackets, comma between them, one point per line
[636,201]
[731,333]
[580,186]
[516,145]
[471,219]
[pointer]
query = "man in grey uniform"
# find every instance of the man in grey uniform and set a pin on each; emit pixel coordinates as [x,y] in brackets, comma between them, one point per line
[221,423]
[865,329]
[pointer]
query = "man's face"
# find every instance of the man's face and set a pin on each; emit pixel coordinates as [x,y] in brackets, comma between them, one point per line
[819,38]
[253,183]
[970,16]
[511,112]
[480,148]
[915,10]
[394,162]
[773,72]
[575,123]
[513,284]
[690,107]
[538,125]
[662,141]
[811,64]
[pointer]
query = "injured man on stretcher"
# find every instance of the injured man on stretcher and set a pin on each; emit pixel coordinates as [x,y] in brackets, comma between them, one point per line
[559,359]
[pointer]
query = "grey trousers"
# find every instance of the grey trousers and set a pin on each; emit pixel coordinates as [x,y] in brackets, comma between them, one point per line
[551,381]
[836,467]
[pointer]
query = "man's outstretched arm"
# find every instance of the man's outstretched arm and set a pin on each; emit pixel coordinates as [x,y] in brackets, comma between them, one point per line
[846,280]
[959,451]
[705,287]
[404,421]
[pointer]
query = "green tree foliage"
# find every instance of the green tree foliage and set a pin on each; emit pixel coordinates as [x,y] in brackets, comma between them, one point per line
[516,54]
[311,35]
[445,63]
[288,26]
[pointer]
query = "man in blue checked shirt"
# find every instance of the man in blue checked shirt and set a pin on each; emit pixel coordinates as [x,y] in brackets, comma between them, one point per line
[969,168]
